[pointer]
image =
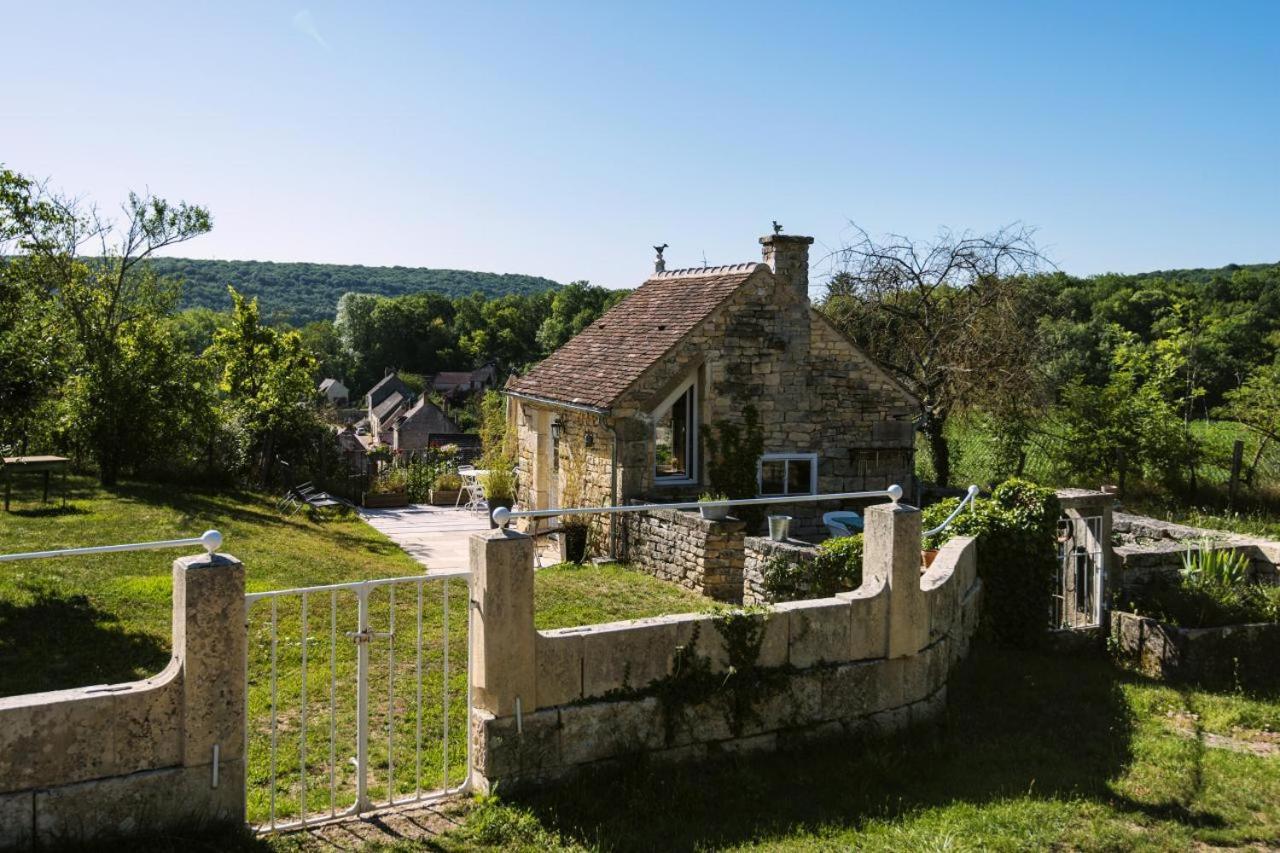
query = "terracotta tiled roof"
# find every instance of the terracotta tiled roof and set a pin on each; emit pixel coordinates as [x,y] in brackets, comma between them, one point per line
[602,362]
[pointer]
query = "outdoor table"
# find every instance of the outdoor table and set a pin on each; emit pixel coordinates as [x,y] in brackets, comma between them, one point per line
[33,464]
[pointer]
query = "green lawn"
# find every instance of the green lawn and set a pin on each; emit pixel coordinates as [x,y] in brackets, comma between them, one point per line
[107,618]
[1035,752]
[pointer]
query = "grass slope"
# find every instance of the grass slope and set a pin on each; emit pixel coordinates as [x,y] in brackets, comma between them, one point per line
[107,618]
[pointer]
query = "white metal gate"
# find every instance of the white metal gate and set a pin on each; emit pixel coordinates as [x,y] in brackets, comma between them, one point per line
[1078,600]
[357,697]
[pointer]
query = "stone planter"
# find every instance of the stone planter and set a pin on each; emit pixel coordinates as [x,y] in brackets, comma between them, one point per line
[1229,656]
[445,497]
[384,500]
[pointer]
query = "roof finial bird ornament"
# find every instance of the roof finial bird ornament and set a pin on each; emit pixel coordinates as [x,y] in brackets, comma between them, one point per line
[777,229]
[659,265]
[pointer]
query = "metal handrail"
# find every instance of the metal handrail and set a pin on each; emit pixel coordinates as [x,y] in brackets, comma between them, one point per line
[502,515]
[210,540]
[968,499]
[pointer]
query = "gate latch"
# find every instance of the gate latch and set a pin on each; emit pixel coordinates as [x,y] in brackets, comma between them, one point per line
[368,635]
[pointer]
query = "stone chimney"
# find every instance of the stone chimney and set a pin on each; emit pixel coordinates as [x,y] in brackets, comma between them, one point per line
[788,257]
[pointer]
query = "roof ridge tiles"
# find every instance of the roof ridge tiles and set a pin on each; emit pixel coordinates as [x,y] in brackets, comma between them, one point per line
[694,272]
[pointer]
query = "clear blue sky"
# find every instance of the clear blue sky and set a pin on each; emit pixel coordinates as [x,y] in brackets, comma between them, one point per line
[565,139]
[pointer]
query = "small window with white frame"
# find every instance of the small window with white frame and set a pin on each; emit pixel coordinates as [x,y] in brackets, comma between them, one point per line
[780,474]
[675,437]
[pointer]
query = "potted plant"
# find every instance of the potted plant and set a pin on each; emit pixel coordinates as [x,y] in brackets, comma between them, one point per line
[714,513]
[499,487]
[389,489]
[446,488]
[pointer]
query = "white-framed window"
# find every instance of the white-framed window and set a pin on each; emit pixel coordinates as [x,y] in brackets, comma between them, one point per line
[787,474]
[675,437]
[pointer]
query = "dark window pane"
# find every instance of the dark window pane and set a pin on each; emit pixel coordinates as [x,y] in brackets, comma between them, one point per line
[798,471]
[773,477]
[671,434]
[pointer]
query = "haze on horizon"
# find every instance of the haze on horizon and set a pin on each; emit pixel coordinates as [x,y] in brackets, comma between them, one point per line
[565,140]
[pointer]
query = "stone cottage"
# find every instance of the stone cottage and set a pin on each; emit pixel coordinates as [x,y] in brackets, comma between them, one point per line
[621,406]
[413,430]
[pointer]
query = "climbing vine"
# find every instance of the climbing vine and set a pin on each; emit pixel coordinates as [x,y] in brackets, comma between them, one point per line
[732,452]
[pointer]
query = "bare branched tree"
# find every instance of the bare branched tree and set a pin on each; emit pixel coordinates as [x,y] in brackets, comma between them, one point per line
[948,317]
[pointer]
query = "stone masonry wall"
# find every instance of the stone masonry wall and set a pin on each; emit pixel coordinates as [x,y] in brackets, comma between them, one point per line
[814,390]
[79,764]
[682,547]
[874,660]
[1150,548]
[757,552]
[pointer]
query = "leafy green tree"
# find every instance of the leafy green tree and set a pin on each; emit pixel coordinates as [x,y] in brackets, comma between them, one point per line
[266,380]
[29,354]
[573,308]
[1134,423]
[94,274]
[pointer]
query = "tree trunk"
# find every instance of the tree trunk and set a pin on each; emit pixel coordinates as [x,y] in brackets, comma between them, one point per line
[938,448]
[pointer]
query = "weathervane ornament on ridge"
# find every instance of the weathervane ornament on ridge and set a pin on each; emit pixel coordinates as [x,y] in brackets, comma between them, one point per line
[777,229]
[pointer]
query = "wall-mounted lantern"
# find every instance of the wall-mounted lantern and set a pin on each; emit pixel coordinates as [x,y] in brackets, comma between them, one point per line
[589,439]
[557,429]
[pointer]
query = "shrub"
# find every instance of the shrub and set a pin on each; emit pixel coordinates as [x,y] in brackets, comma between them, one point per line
[390,480]
[837,567]
[1017,556]
[447,481]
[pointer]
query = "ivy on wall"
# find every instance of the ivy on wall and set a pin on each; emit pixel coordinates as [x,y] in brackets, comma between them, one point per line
[1017,557]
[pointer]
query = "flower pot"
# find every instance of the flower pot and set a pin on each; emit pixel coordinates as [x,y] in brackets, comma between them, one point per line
[384,500]
[779,527]
[494,503]
[444,497]
[927,556]
[715,513]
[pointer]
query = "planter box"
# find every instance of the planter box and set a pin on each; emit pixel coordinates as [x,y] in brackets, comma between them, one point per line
[445,497]
[385,500]
[1230,656]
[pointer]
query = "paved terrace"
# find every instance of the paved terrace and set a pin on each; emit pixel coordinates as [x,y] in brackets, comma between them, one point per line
[435,536]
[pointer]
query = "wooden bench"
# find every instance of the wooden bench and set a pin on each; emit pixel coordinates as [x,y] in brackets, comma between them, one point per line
[45,465]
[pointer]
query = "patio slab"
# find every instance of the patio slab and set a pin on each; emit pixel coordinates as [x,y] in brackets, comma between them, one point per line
[435,536]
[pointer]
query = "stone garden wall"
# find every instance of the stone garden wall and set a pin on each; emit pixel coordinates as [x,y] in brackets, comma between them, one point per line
[758,551]
[683,547]
[874,660]
[1229,657]
[92,761]
[1150,548]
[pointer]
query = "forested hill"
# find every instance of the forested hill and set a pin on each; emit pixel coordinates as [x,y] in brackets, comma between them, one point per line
[302,292]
